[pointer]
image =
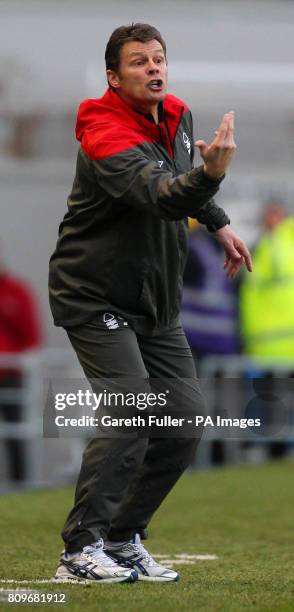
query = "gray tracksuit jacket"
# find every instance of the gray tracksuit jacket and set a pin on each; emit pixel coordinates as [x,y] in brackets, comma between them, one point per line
[123,242]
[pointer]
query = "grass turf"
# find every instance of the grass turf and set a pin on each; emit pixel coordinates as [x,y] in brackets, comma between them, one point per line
[242,515]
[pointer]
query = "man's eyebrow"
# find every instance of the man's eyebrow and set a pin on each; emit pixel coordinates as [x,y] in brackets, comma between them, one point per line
[144,52]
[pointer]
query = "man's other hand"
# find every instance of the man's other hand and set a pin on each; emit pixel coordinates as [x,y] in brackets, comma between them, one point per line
[236,252]
[218,154]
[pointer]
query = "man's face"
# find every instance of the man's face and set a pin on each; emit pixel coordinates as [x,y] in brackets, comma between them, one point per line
[142,74]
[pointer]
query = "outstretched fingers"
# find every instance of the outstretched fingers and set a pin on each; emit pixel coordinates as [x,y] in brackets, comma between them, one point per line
[225,131]
[236,251]
[236,254]
[231,128]
[232,266]
[242,248]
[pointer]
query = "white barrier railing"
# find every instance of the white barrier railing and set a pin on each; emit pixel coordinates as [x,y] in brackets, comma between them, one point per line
[240,370]
[37,366]
[33,367]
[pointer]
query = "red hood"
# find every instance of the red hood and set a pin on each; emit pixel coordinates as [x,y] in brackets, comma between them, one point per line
[106,126]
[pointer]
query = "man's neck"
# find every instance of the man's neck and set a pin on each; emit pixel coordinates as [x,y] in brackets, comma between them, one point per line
[143,109]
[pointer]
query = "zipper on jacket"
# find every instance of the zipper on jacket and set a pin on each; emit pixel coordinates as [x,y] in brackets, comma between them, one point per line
[171,154]
[163,140]
[171,144]
[180,119]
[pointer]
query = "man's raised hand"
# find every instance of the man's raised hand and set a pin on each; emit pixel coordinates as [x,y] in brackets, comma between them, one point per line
[218,155]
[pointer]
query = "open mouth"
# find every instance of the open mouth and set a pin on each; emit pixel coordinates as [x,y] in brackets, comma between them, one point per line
[155,84]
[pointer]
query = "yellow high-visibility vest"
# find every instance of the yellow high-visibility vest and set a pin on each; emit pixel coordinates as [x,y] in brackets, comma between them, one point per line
[267,297]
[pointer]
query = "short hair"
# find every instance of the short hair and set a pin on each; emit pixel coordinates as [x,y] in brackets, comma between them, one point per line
[141,32]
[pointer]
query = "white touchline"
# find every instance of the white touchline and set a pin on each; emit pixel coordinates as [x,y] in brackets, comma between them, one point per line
[43,581]
[188,556]
[17,588]
[197,557]
[172,562]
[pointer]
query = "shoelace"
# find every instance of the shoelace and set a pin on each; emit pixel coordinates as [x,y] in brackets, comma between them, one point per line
[141,550]
[97,553]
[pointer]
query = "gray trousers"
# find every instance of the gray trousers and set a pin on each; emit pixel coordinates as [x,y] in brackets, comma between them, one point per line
[123,480]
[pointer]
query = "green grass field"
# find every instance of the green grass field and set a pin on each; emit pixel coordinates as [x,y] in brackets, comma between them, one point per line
[244,516]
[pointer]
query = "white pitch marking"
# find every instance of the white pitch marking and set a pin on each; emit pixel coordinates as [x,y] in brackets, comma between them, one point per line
[8,580]
[27,590]
[172,562]
[181,556]
[197,557]
[43,581]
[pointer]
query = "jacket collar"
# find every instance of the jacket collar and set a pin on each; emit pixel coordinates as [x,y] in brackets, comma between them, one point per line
[170,111]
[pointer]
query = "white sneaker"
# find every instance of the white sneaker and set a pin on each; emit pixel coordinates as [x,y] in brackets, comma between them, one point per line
[134,555]
[92,564]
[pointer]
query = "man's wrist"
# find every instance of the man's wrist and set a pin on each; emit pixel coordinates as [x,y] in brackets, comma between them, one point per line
[217,220]
[214,227]
[214,176]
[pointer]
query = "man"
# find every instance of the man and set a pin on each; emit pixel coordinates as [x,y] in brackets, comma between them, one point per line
[266,300]
[209,306]
[115,285]
[20,331]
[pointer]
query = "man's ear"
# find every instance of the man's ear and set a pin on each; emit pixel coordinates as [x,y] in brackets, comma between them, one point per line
[113,79]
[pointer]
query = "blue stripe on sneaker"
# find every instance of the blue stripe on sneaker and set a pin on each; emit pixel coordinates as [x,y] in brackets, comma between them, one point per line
[141,568]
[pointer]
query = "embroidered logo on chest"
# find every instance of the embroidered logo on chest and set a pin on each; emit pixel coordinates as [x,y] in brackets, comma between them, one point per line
[187,142]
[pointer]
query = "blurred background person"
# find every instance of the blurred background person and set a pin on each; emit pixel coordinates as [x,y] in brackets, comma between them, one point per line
[20,331]
[266,308]
[266,301]
[209,308]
